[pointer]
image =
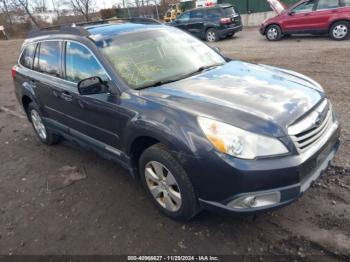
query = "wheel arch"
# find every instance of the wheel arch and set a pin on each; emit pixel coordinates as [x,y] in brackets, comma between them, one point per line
[137,147]
[277,24]
[336,21]
[26,100]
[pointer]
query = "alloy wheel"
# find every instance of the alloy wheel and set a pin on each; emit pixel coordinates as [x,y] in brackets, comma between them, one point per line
[163,186]
[38,124]
[211,37]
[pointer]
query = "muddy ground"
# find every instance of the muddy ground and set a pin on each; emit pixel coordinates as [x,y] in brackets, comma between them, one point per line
[99,209]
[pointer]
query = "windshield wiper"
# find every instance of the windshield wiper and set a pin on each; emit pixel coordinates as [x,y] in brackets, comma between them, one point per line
[158,83]
[163,82]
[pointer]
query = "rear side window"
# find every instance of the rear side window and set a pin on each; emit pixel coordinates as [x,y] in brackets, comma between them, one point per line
[81,64]
[198,14]
[27,56]
[327,4]
[48,58]
[214,14]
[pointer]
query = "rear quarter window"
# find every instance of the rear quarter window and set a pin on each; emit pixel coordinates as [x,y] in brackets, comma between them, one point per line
[48,58]
[214,14]
[27,56]
[229,11]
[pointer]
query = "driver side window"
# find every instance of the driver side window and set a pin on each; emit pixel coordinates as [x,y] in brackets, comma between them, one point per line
[305,7]
[81,64]
[184,17]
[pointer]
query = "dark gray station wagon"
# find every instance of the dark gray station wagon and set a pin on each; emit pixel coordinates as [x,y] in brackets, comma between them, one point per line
[199,130]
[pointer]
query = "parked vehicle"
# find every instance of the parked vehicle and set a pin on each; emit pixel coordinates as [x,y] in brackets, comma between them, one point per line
[173,11]
[199,130]
[210,23]
[310,17]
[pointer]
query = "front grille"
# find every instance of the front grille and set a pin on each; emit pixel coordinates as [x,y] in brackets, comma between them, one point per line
[311,129]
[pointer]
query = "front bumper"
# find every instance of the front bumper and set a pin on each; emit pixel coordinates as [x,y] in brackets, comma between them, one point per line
[262,29]
[296,176]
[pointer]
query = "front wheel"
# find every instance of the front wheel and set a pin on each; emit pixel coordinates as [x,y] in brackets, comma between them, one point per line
[167,183]
[340,30]
[273,33]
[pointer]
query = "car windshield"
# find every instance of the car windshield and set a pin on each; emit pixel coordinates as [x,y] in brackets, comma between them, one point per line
[158,56]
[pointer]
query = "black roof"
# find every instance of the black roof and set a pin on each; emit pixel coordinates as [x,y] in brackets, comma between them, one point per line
[91,28]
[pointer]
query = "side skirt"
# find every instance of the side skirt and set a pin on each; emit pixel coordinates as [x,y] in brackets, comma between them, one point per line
[104,150]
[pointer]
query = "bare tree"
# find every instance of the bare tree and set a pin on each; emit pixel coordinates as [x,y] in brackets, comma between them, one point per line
[6,9]
[83,7]
[55,8]
[24,4]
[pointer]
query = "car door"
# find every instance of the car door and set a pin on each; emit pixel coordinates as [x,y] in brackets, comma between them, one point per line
[90,116]
[196,23]
[48,81]
[325,10]
[301,18]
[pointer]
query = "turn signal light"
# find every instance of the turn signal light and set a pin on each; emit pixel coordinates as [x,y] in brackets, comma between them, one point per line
[13,72]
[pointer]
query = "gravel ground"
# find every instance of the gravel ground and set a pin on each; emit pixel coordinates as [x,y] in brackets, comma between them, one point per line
[65,200]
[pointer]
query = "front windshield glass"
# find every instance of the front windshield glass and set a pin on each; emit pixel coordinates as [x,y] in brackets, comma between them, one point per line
[151,57]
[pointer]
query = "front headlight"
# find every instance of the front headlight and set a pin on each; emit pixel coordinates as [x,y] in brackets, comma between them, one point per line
[238,142]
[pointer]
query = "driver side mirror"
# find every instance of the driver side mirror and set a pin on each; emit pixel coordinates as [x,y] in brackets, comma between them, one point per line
[291,13]
[92,85]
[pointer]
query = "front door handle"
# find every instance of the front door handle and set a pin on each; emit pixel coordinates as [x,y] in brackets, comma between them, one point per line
[66,96]
[33,83]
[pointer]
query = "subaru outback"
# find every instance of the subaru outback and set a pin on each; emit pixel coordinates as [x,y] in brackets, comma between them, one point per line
[199,130]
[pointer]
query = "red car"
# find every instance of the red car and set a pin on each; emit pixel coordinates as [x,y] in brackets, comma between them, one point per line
[310,17]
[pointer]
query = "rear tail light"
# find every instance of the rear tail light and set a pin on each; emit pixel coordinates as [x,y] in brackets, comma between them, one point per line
[225,21]
[13,71]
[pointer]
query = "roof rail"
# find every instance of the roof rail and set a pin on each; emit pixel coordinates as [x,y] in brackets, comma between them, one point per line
[60,29]
[78,28]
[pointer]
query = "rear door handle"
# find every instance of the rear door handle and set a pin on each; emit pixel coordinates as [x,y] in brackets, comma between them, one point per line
[66,96]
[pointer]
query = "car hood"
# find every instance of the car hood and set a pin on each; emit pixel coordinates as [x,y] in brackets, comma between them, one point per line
[278,6]
[258,98]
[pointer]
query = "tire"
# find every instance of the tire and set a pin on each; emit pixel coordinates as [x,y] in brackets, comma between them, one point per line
[340,30]
[172,189]
[43,133]
[211,35]
[273,33]
[231,35]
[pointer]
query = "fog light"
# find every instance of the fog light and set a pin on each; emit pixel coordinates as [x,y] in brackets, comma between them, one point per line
[256,200]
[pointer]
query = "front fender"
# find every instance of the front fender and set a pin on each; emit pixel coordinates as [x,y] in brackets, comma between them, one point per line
[173,139]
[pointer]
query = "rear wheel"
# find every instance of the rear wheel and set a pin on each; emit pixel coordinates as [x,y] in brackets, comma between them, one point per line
[44,134]
[211,35]
[340,30]
[273,33]
[167,183]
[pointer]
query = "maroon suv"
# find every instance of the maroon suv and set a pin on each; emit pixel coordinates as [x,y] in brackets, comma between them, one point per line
[310,17]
